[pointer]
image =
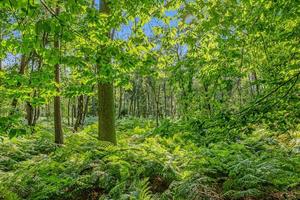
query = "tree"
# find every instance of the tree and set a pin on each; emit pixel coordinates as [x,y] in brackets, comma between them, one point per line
[106,106]
[59,138]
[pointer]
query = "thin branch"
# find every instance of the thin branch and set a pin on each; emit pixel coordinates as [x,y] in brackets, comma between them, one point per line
[269,94]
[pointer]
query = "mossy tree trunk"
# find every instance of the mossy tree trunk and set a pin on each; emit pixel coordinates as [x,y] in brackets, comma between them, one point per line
[106,106]
[106,113]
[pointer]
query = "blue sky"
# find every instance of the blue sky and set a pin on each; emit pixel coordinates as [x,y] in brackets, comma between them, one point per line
[125,29]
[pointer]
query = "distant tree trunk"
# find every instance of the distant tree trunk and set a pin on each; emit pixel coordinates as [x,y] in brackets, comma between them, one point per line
[29,108]
[157,105]
[73,110]
[29,111]
[79,113]
[254,77]
[0,42]
[48,111]
[120,102]
[239,88]
[254,87]
[36,115]
[94,106]
[165,99]
[106,107]
[85,110]
[171,103]
[23,64]
[57,103]
[207,98]
[138,98]
[131,105]
[148,101]
[68,111]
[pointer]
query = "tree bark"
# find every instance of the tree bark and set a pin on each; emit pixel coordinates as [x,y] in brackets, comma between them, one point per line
[29,111]
[106,108]
[57,101]
[106,113]
[36,115]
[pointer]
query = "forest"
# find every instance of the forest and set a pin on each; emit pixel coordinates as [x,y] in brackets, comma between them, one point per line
[149,100]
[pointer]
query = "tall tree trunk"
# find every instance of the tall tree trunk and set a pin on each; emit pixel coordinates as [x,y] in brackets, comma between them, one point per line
[59,139]
[106,108]
[106,113]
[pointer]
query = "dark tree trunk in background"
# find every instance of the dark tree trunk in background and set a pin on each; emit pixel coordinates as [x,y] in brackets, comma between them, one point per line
[138,95]
[0,42]
[78,122]
[57,102]
[254,76]
[157,98]
[68,111]
[120,102]
[73,111]
[171,104]
[85,110]
[165,99]
[29,108]
[36,115]
[30,114]
[23,64]
[94,106]
[148,101]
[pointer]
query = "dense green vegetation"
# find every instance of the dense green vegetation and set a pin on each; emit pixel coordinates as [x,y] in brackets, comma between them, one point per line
[150,163]
[151,99]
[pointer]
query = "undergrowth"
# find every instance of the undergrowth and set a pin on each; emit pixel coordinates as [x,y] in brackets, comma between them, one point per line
[167,162]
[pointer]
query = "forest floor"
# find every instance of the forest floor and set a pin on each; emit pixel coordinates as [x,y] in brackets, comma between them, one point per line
[167,162]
